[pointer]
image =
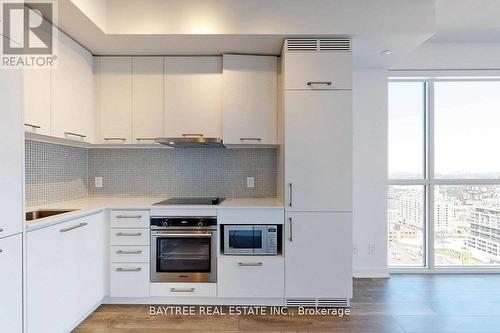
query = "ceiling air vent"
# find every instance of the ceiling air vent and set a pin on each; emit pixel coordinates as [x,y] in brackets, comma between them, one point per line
[324,44]
[301,45]
[335,44]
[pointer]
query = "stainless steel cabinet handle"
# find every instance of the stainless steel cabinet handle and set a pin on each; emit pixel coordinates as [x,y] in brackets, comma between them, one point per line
[182,290]
[324,83]
[193,134]
[121,269]
[75,134]
[166,235]
[290,194]
[1,230]
[74,227]
[1,250]
[291,229]
[128,216]
[250,139]
[129,234]
[128,252]
[249,264]
[115,139]
[32,126]
[146,139]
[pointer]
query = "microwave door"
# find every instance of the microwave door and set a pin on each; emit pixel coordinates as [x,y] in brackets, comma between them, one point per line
[260,239]
[240,240]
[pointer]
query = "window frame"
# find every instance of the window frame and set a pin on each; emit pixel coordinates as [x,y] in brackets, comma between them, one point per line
[429,181]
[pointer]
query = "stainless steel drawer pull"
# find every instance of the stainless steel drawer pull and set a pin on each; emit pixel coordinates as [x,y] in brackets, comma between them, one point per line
[115,139]
[1,250]
[32,126]
[1,230]
[249,264]
[74,227]
[75,134]
[325,83]
[146,139]
[128,252]
[193,134]
[129,234]
[121,269]
[290,194]
[250,139]
[291,229]
[128,216]
[182,290]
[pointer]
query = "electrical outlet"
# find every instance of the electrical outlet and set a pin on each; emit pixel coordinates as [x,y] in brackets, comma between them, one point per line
[250,182]
[371,249]
[98,182]
[355,250]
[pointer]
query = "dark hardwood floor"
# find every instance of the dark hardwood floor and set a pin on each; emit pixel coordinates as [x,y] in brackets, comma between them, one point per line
[464,303]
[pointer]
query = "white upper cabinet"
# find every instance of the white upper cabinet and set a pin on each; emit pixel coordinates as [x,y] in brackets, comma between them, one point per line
[318,150]
[193,96]
[115,99]
[11,153]
[72,92]
[147,99]
[249,99]
[318,70]
[37,100]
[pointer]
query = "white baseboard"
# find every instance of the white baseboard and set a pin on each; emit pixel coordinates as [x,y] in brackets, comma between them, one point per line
[371,272]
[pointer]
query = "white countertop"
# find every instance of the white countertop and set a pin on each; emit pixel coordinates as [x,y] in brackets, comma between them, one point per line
[84,207]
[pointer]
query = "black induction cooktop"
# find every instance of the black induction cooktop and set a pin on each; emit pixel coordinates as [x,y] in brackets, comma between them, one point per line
[191,201]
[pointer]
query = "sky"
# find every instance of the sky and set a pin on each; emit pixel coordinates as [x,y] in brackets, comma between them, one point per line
[467,129]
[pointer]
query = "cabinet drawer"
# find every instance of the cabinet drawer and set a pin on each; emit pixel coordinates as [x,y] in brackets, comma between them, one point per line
[129,280]
[129,219]
[130,254]
[318,70]
[129,236]
[251,216]
[184,289]
[257,276]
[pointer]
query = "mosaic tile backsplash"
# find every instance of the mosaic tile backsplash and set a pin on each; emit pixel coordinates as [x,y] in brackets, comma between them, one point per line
[55,173]
[58,173]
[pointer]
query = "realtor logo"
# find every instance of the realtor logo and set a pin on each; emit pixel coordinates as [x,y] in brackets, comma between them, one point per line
[27,34]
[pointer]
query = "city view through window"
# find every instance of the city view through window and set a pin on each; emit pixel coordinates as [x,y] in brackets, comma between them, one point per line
[465,216]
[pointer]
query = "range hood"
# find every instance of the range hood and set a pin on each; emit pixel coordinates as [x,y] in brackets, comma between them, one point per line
[198,142]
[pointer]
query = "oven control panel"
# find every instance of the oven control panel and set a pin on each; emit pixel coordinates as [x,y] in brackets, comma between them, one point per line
[179,221]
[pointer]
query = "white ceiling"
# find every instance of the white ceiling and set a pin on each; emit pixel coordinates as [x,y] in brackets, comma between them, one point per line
[467,21]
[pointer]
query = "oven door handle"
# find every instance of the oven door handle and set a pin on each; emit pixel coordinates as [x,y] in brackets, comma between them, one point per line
[169,235]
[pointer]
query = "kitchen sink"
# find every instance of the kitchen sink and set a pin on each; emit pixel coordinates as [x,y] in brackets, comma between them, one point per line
[41,213]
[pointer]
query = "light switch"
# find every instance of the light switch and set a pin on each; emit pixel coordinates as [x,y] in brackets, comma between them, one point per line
[98,182]
[250,182]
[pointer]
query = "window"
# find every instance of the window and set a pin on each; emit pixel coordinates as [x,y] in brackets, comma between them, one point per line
[444,193]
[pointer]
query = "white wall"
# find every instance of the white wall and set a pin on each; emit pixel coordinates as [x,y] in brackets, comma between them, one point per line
[370,172]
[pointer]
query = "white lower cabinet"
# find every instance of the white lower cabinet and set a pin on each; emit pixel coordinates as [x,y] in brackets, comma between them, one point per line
[66,273]
[11,284]
[248,276]
[184,289]
[318,255]
[129,280]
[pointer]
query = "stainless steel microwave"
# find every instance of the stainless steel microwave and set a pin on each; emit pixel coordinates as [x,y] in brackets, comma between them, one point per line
[250,239]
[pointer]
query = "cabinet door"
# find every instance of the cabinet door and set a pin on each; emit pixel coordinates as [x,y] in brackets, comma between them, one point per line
[147,99]
[65,273]
[72,92]
[318,70]
[318,150]
[11,284]
[115,91]
[193,96]
[249,99]
[37,100]
[318,255]
[11,152]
